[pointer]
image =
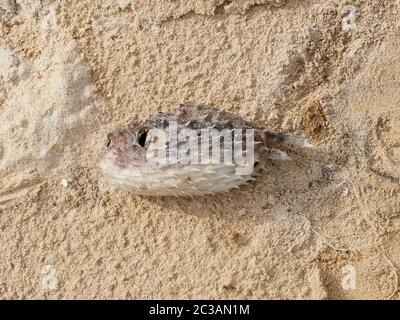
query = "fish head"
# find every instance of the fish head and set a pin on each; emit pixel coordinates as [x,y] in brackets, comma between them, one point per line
[125,149]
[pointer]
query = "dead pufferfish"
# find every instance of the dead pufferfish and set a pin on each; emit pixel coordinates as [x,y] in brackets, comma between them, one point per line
[127,164]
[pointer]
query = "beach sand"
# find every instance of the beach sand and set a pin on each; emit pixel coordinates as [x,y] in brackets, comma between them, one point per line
[324,225]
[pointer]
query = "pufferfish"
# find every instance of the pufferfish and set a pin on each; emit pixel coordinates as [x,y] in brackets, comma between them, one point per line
[150,157]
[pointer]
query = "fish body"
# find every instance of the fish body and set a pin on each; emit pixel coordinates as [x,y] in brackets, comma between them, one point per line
[164,156]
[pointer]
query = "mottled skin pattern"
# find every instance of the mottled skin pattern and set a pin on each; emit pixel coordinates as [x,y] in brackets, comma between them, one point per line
[124,163]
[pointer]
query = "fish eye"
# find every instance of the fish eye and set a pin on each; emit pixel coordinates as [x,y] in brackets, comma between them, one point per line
[142,137]
[108,141]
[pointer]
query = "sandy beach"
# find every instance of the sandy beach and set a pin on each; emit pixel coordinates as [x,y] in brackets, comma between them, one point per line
[325,225]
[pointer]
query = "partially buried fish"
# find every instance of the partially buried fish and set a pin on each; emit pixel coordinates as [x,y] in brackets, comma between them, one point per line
[195,150]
